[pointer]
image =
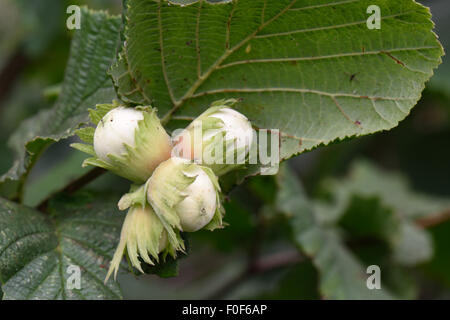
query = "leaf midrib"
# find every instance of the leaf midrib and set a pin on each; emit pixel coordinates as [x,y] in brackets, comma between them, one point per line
[177,103]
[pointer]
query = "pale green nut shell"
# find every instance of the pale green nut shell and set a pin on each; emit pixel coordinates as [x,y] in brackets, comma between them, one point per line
[222,122]
[236,126]
[197,209]
[115,130]
[130,142]
[142,236]
[185,195]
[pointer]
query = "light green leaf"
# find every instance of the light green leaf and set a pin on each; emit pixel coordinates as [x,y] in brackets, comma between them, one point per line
[36,252]
[342,276]
[86,84]
[86,134]
[412,245]
[311,69]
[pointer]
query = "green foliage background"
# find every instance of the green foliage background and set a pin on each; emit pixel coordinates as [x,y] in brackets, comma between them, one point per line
[308,233]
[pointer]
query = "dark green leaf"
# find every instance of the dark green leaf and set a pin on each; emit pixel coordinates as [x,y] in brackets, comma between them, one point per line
[36,252]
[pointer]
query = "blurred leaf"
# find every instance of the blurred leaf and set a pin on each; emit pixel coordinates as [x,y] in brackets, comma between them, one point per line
[400,280]
[391,188]
[373,203]
[412,246]
[440,16]
[56,178]
[86,84]
[287,59]
[35,251]
[341,275]
[367,218]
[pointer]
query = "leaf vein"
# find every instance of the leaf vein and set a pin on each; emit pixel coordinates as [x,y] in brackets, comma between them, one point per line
[197,40]
[379,114]
[163,62]
[333,27]
[141,90]
[101,255]
[298,90]
[323,5]
[333,56]
[41,282]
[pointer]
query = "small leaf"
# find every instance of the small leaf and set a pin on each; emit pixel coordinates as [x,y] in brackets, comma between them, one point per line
[100,111]
[86,148]
[86,134]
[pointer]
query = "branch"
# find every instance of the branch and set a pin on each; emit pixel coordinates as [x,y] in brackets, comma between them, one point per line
[434,220]
[11,71]
[261,265]
[278,260]
[74,186]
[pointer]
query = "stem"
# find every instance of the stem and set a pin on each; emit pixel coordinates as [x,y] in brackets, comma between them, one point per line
[74,186]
